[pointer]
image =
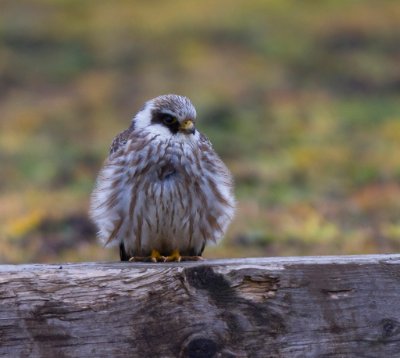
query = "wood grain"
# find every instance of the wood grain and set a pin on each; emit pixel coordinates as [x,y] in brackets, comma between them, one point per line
[344,306]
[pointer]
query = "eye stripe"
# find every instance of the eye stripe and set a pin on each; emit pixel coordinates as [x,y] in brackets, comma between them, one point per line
[168,119]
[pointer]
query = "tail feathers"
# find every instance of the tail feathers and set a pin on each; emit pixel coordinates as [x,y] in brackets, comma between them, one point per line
[122,253]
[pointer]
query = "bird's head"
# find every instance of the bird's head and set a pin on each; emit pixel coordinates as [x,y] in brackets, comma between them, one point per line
[167,115]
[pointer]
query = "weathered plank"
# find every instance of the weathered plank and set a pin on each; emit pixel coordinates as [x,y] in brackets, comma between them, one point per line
[344,306]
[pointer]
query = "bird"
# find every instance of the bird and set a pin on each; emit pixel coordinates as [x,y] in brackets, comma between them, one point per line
[163,193]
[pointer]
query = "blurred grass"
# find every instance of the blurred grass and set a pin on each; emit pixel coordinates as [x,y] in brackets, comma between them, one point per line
[301,100]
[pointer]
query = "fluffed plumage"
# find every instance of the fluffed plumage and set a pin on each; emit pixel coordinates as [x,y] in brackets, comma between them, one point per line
[162,187]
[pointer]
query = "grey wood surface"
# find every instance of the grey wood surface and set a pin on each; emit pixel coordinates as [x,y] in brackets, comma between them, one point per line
[336,306]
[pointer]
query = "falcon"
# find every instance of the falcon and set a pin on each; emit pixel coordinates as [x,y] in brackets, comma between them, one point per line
[163,193]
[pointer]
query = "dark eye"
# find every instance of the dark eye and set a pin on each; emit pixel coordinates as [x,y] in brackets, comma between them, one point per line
[168,119]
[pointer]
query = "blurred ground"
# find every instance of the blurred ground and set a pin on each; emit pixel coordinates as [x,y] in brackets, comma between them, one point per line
[302,101]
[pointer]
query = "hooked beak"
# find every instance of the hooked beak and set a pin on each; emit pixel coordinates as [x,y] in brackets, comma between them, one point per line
[187,126]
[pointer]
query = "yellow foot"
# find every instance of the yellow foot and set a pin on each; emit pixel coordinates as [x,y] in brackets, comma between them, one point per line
[155,256]
[176,256]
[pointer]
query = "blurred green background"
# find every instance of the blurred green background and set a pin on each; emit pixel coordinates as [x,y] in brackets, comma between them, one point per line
[301,100]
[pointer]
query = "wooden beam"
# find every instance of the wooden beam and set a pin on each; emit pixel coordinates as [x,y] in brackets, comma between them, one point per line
[337,306]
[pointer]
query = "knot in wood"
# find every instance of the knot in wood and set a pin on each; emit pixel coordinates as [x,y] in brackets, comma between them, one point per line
[201,348]
[390,328]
